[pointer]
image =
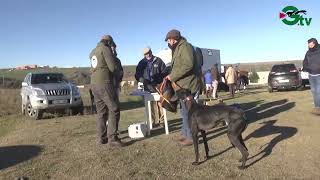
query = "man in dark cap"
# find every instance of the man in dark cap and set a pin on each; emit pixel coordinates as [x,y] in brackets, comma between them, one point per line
[150,71]
[103,68]
[185,73]
[311,64]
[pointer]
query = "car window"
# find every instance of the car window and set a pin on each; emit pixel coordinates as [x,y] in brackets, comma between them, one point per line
[283,68]
[47,78]
[26,78]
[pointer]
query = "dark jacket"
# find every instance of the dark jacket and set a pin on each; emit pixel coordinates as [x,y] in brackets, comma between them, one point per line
[311,62]
[154,73]
[118,75]
[102,64]
[215,73]
[185,68]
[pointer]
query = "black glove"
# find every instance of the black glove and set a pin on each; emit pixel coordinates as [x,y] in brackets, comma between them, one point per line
[141,80]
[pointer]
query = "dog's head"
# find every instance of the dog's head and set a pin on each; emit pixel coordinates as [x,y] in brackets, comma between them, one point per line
[183,94]
[186,96]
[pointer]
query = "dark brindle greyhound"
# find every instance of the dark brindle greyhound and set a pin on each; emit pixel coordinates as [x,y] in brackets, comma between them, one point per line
[202,118]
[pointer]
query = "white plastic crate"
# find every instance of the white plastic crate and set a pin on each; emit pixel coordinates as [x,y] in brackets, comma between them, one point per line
[138,130]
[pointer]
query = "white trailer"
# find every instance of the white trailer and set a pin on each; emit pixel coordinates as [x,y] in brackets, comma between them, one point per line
[210,57]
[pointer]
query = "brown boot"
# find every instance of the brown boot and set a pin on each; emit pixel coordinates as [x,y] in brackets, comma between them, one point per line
[316,111]
[186,142]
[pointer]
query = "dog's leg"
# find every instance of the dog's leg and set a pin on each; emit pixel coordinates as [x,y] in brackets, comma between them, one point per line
[234,140]
[242,142]
[205,142]
[195,144]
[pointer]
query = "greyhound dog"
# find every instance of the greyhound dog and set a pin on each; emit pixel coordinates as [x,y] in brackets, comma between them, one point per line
[202,118]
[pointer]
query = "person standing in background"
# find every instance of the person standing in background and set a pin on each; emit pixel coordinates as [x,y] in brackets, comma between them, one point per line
[151,71]
[231,78]
[311,64]
[208,82]
[215,80]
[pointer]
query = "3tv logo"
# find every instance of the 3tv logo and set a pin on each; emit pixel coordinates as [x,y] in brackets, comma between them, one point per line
[291,15]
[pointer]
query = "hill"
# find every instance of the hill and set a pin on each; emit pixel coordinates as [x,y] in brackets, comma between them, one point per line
[81,75]
[266,66]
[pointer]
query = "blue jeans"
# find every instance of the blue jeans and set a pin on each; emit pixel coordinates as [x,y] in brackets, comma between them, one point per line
[185,129]
[315,89]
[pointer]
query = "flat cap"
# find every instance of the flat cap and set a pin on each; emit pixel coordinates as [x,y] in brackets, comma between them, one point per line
[173,34]
[107,37]
[146,50]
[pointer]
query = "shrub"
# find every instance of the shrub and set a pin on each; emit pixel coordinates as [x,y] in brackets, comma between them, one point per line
[254,77]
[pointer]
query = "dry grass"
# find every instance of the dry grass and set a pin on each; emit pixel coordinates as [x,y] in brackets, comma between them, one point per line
[10,101]
[282,137]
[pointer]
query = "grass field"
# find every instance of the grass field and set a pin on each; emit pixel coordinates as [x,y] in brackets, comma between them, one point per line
[282,138]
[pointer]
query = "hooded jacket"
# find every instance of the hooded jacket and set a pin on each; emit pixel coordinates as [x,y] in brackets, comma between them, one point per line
[311,62]
[185,68]
[103,65]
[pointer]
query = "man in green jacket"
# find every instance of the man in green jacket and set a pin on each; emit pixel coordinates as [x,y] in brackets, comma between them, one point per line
[103,68]
[185,73]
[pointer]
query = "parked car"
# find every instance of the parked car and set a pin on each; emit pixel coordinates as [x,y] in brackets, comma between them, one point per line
[284,76]
[47,92]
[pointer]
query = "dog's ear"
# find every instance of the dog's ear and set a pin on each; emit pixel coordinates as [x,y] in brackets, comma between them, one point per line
[180,93]
[183,93]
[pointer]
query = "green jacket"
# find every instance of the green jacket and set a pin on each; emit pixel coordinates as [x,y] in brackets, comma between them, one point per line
[185,69]
[103,65]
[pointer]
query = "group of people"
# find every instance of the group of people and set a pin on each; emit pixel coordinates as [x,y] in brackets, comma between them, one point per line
[232,78]
[107,73]
[185,72]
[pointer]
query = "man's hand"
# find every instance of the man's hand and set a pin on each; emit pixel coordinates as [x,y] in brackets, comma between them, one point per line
[168,78]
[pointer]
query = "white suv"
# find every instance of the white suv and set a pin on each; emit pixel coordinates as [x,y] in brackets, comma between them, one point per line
[42,92]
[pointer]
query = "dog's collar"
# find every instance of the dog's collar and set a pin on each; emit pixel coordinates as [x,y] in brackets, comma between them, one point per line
[189,98]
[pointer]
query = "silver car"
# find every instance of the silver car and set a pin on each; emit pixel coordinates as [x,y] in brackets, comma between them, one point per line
[47,92]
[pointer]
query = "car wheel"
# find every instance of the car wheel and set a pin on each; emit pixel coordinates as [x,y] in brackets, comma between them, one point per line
[76,111]
[300,88]
[270,90]
[33,113]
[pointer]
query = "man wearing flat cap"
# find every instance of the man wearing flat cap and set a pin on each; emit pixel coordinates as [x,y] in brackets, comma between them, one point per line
[104,68]
[185,73]
[151,71]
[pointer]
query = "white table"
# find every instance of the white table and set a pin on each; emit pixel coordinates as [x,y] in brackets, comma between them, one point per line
[148,97]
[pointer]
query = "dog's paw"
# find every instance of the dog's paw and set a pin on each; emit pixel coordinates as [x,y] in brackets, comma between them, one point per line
[206,157]
[195,163]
